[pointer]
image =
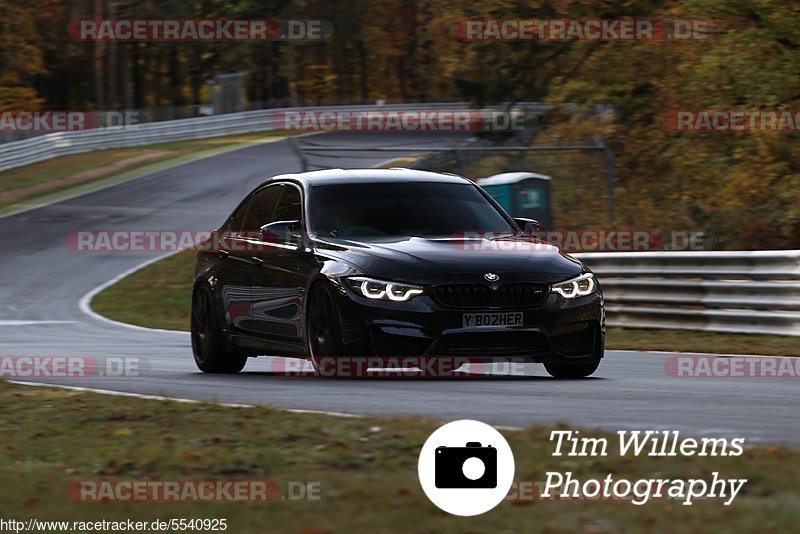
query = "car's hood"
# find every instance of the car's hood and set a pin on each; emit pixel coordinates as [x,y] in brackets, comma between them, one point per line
[417,259]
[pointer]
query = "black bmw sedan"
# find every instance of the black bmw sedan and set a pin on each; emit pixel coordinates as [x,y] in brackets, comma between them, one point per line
[395,265]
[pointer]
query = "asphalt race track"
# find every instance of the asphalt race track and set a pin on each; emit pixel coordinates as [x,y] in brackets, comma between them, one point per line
[43,283]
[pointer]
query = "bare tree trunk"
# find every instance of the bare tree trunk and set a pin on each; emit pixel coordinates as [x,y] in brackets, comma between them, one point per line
[156,73]
[98,62]
[138,90]
[127,101]
[362,54]
[176,89]
[112,63]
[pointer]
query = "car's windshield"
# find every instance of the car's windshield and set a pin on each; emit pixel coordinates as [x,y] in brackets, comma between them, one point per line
[403,209]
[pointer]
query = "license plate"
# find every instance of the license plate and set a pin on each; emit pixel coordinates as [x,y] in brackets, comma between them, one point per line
[481,320]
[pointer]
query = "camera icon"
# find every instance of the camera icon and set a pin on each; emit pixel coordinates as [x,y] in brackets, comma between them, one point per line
[473,466]
[467,480]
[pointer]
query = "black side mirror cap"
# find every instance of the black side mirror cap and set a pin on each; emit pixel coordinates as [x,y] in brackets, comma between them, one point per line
[286,232]
[529,226]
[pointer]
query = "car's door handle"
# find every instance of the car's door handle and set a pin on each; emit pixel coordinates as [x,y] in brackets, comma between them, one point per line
[257,261]
[223,254]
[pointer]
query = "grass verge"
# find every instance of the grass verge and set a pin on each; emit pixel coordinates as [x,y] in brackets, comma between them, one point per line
[40,182]
[163,292]
[163,295]
[688,341]
[365,468]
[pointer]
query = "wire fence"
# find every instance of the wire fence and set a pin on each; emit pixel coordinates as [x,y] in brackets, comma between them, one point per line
[576,168]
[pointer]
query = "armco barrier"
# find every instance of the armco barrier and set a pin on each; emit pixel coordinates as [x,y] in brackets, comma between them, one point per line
[18,153]
[756,292]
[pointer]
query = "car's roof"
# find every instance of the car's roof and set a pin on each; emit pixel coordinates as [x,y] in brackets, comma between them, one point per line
[352,176]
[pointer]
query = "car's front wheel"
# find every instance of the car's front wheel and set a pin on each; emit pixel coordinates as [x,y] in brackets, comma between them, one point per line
[207,342]
[323,330]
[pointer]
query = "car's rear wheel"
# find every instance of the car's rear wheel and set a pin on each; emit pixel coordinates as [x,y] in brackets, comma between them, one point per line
[571,370]
[323,330]
[207,342]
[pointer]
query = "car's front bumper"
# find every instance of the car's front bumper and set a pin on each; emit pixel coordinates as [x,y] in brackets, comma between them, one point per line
[557,329]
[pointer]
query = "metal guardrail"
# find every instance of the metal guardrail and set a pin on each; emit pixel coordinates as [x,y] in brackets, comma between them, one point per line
[25,152]
[755,292]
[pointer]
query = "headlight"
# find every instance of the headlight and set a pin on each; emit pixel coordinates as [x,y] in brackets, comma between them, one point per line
[576,287]
[379,290]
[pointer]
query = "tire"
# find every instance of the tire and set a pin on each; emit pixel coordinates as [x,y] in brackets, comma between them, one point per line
[324,338]
[571,370]
[208,344]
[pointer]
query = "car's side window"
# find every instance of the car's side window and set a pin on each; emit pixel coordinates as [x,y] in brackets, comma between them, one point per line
[236,221]
[260,208]
[289,207]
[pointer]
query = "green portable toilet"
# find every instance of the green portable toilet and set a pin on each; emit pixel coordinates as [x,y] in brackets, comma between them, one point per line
[521,194]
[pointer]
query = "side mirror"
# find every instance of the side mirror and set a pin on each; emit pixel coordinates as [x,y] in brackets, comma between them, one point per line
[529,226]
[282,232]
